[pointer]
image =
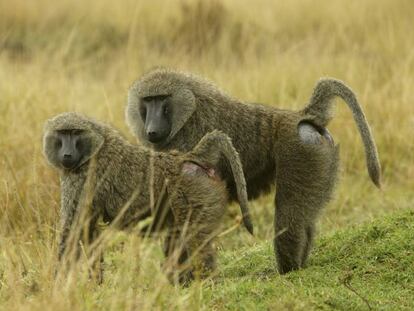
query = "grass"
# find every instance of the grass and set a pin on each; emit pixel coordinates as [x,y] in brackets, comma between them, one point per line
[365,267]
[82,56]
[359,268]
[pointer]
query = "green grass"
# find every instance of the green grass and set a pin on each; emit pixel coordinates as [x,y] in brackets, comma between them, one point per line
[367,264]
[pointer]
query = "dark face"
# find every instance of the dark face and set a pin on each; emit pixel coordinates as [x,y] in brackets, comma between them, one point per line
[70,146]
[156,112]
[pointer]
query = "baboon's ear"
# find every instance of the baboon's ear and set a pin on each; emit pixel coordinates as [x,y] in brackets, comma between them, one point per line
[184,105]
[133,117]
[97,142]
[49,149]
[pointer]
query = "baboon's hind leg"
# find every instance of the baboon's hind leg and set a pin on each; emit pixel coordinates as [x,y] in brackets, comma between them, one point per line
[201,251]
[310,233]
[306,174]
[176,263]
[190,254]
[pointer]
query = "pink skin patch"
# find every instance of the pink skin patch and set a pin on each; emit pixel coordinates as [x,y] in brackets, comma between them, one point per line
[192,168]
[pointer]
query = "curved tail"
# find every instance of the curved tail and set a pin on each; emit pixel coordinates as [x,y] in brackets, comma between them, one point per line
[320,108]
[209,150]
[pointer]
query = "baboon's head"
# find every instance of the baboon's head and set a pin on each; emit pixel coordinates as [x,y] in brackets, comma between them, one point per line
[70,140]
[159,104]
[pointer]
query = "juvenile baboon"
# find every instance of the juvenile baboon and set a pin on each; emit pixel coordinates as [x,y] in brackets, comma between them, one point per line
[292,149]
[104,175]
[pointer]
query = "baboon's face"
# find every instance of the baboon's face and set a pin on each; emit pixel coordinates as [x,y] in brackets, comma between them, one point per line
[70,140]
[155,112]
[68,147]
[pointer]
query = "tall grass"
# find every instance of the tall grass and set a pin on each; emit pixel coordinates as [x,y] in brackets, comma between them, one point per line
[82,56]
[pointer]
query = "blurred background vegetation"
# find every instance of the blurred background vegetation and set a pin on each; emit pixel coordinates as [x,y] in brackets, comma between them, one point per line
[82,56]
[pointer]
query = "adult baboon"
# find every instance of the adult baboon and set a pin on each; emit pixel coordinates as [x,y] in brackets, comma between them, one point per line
[292,149]
[104,175]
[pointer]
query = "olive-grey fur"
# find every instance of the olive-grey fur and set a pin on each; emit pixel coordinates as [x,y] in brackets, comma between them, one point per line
[320,107]
[291,149]
[148,184]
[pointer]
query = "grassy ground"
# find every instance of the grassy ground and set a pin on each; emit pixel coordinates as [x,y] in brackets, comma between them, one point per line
[82,56]
[359,268]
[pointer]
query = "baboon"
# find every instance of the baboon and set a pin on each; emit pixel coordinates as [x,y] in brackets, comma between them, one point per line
[168,109]
[103,175]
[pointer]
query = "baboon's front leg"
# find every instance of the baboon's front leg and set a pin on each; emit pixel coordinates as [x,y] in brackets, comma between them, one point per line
[79,231]
[68,246]
[93,250]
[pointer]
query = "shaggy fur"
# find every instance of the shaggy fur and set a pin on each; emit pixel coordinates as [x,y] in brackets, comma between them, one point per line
[127,183]
[291,149]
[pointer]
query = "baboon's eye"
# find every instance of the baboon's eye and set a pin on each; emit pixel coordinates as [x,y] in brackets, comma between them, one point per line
[78,144]
[143,112]
[58,143]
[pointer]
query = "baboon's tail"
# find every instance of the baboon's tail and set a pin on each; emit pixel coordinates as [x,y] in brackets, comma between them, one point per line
[320,106]
[210,149]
